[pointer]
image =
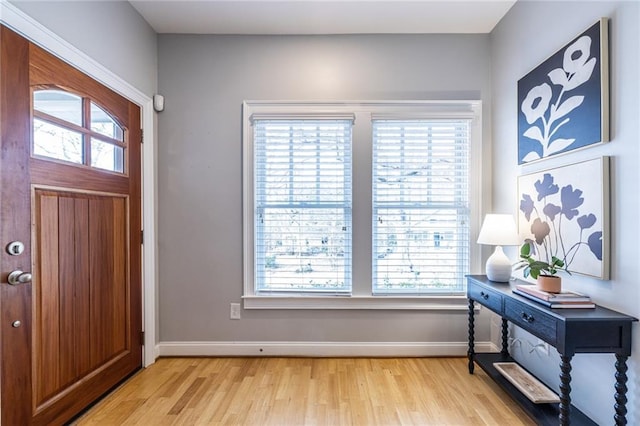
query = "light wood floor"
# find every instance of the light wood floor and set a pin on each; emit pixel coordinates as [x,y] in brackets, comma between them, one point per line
[307,391]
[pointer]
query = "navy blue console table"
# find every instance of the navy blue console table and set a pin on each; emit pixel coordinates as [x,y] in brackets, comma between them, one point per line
[570,331]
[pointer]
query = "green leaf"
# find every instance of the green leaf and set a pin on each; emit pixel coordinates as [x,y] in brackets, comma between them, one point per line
[539,265]
[525,250]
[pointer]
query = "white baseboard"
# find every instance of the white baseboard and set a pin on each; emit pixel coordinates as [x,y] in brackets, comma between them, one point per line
[322,349]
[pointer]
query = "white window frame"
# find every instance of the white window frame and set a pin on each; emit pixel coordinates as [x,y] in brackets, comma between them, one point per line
[362,112]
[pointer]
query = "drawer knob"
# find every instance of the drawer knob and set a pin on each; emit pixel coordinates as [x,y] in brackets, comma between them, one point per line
[484,295]
[528,318]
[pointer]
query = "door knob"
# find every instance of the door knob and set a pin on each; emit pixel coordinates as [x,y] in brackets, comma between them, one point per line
[19,277]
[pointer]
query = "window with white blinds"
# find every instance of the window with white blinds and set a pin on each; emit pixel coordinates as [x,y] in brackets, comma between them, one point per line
[421,206]
[302,200]
[346,203]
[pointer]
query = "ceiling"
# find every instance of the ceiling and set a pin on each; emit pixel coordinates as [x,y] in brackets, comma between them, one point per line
[322,16]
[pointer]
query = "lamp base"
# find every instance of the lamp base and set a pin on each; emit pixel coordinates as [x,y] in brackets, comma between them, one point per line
[498,266]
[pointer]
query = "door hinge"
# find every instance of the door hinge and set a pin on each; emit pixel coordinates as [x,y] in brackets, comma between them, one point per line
[142,338]
[141,135]
[141,237]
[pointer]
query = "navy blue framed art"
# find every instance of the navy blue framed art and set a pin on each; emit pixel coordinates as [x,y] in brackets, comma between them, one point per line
[563,104]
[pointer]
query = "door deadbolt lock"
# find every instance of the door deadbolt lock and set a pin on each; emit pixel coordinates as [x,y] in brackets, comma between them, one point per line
[19,277]
[15,248]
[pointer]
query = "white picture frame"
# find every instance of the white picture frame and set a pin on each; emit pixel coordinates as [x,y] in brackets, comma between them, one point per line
[564,212]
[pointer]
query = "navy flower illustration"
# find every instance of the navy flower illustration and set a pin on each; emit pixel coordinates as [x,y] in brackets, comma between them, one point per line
[587,221]
[545,187]
[527,206]
[595,244]
[549,210]
[571,200]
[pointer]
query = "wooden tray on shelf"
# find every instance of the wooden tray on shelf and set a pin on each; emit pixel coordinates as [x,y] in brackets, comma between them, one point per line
[531,387]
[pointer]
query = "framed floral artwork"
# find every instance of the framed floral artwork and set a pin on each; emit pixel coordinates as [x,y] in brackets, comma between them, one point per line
[564,212]
[563,104]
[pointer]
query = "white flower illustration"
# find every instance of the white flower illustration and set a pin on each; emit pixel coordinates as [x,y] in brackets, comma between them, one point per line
[576,70]
[536,103]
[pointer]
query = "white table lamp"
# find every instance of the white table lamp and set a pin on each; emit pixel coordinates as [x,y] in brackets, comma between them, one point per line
[499,230]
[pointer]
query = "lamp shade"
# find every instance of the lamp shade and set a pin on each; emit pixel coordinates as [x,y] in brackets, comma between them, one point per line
[499,230]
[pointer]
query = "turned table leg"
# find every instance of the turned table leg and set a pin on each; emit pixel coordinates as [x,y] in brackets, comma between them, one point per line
[565,390]
[621,390]
[505,338]
[471,337]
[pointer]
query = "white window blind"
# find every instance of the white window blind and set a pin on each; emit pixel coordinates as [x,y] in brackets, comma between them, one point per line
[421,205]
[302,217]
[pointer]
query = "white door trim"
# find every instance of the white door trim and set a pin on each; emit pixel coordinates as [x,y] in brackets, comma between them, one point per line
[14,18]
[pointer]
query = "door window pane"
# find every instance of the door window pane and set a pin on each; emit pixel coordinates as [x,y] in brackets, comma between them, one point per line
[66,127]
[57,142]
[62,105]
[107,156]
[102,123]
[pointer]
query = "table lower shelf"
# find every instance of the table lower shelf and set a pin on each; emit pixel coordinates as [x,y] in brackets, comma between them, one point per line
[543,414]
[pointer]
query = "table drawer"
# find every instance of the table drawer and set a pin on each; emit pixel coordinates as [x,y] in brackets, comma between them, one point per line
[489,298]
[534,321]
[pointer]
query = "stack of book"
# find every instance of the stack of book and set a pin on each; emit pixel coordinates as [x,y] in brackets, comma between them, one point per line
[565,299]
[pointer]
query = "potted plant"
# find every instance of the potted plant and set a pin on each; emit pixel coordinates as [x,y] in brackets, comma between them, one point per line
[544,272]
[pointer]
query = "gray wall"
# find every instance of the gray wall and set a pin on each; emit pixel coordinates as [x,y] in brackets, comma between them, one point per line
[111,32]
[204,80]
[518,45]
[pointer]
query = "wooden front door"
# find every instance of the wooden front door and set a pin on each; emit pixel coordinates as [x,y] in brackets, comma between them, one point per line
[70,203]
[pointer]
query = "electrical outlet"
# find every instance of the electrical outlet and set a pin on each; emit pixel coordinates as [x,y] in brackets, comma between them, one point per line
[234,312]
[542,347]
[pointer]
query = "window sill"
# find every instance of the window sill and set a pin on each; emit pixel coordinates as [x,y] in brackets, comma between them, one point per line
[425,303]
